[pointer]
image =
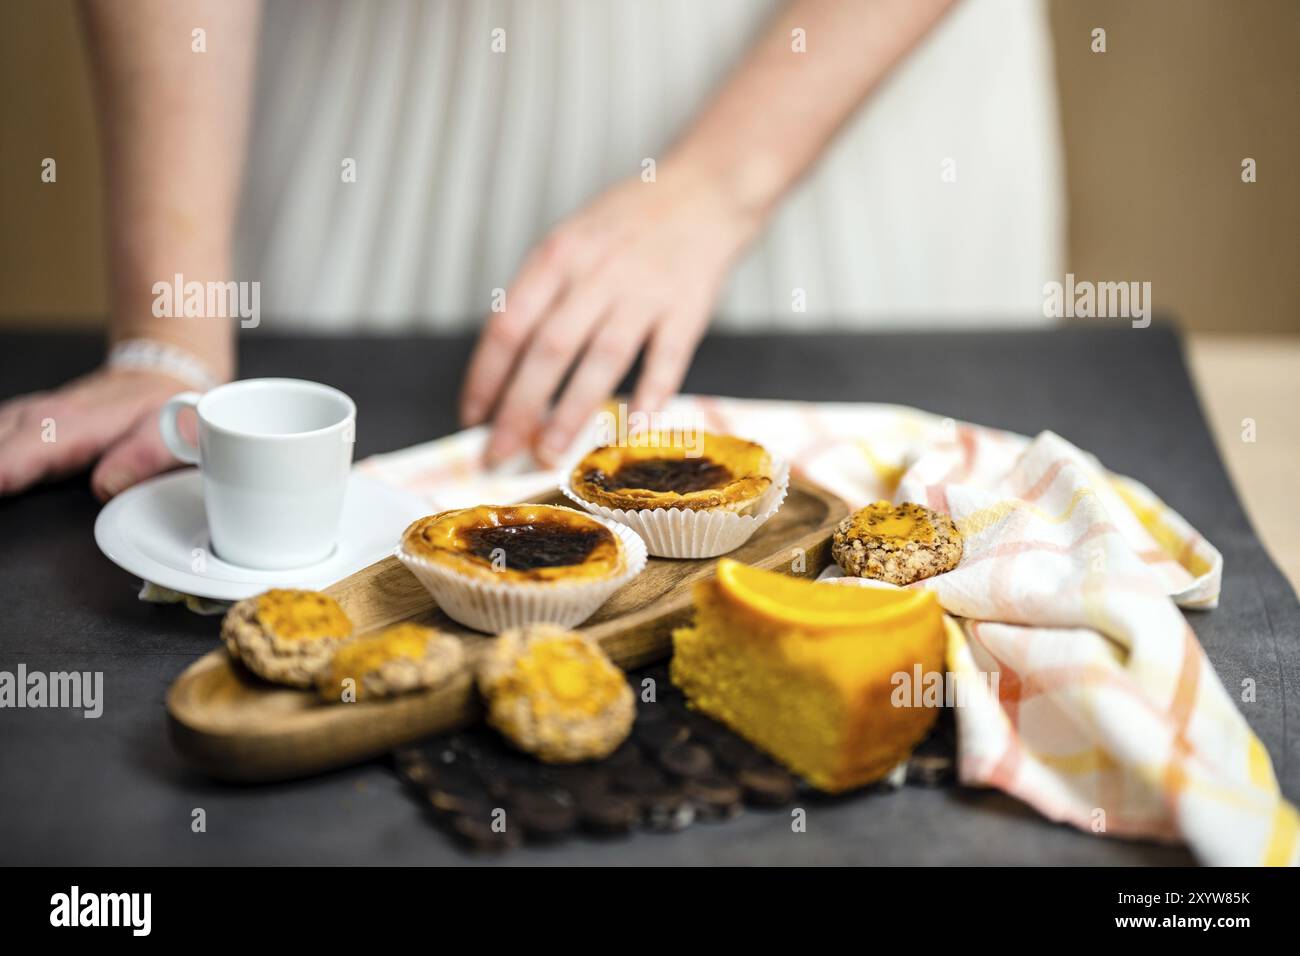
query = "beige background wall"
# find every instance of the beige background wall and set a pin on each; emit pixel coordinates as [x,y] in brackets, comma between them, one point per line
[1155,131]
[51,235]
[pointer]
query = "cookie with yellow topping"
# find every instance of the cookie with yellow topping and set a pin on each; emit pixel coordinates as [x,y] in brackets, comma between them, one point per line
[396,660]
[896,543]
[555,694]
[286,635]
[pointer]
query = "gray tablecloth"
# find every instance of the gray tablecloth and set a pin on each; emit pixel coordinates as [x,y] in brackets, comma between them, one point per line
[112,790]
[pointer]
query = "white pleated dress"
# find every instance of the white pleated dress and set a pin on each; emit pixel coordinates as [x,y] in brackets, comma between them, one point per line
[940,203]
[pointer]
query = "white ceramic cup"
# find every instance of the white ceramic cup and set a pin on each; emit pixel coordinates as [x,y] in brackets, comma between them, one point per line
[275,455]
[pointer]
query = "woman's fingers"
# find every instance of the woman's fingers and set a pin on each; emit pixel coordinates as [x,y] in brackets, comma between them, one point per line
[51,434]
[48,438]
[11,412]
[540,282]
[546,359]
[667,357]
[494,357]
[140,454]
[606,361]
[24,458]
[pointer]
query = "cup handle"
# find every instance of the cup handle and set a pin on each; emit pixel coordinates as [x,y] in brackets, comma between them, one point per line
[177,443]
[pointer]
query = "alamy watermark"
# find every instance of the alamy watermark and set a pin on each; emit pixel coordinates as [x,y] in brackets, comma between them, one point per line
[75,908]
[625,429]
[74,690]
[208,300]
[1102,300]
[922,688]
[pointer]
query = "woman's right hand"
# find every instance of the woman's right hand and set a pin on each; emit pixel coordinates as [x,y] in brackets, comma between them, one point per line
[110,415]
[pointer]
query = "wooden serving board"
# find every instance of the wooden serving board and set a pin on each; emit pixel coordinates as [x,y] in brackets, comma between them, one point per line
[234,726]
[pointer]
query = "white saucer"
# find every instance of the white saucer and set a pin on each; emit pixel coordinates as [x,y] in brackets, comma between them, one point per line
[154,529]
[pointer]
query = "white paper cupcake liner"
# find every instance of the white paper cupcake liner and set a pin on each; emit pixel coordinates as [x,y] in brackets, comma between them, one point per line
[495,606]
[681,533]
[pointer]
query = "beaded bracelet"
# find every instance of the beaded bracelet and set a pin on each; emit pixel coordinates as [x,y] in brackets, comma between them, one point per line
[151,355]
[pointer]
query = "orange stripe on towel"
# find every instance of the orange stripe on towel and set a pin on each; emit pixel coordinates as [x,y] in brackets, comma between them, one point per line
[1003,772]
[1174,779]
[1044,482]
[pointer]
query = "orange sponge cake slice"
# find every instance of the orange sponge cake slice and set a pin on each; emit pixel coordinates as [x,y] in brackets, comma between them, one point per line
[805,671]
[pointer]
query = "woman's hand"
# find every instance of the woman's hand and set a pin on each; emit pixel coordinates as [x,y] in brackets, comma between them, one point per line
[639,267]
[110,415]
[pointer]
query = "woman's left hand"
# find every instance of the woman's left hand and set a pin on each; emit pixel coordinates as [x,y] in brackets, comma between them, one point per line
[639,267]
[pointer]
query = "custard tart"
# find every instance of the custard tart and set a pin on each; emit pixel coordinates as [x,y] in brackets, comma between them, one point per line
[719,472]
[517,543]
[694,499]
[496,566]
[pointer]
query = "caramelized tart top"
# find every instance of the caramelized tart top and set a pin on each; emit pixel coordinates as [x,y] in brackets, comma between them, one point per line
[517,543]
[661,470]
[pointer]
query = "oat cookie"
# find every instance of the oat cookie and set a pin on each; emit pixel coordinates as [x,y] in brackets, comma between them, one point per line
[555,694]
[896,543]
[285,635]
[396,660]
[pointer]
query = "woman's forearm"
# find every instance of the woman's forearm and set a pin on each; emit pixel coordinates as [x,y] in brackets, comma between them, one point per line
[775,114]
[173,124]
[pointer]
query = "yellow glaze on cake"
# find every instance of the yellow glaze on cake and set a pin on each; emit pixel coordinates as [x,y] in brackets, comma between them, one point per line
[517,543]
[294,615]
[662,471]
[805,671]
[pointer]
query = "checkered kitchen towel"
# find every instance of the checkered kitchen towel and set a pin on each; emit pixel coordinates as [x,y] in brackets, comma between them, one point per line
[1105,713]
